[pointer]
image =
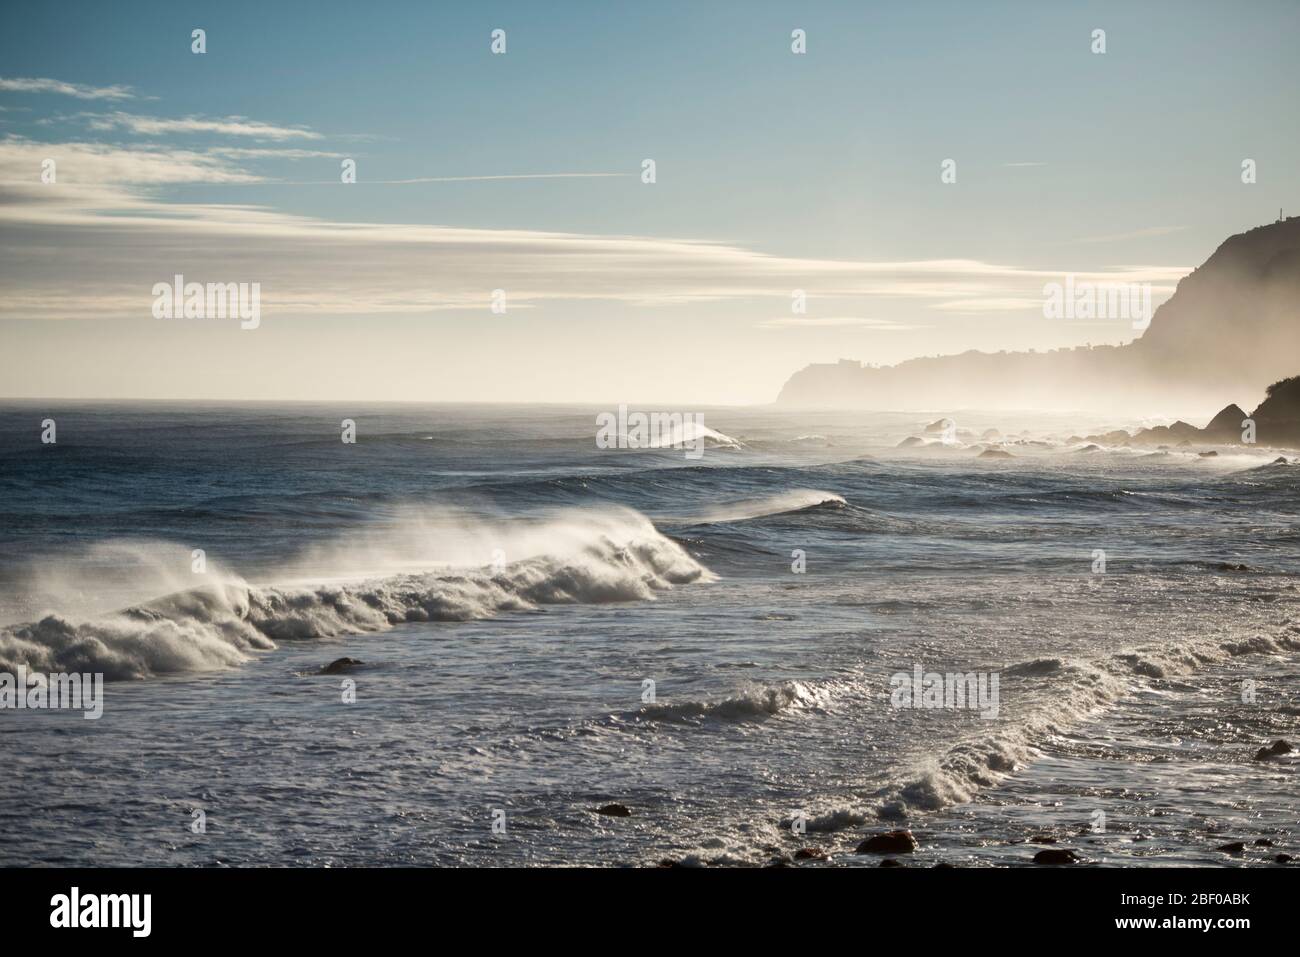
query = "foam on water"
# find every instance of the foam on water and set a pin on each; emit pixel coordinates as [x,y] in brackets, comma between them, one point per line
[609,555]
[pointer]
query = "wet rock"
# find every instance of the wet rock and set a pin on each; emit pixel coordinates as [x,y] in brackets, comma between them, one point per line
[1284,858]
[1114,437]
[945,865]
[1208,455]
[1160,433]
[890,842]
[996,454]
[811,854]
[614,810]
[1236,847]
[340,665]
[1263,842]
[890,862]
[1275,749]
[1042,839]
[1054,855]
[783,860]
[1227,424]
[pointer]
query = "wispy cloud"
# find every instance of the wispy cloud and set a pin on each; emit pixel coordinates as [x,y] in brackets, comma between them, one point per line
[223,126]
[990,304]
[483,179]
[269,152]
[116,238]
[63,88]
[113,168]
[417,180]
[812,322]
[1145,233]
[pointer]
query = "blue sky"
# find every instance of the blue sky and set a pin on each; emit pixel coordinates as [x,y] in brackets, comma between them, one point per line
[775,171]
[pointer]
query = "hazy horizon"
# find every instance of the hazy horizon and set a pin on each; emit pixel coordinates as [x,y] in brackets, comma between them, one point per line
[477,171]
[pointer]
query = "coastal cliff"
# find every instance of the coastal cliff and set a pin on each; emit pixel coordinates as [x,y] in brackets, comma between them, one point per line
[1231,326]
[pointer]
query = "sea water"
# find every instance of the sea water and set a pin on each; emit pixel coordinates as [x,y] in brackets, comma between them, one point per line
[546,627]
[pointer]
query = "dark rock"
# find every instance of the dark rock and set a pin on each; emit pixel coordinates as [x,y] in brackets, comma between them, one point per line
[1208,455]
[340,665]
[945,865]
[1055,855]
[1227,424]
[1278,416]
[1263,842]
[811,854]
[1042,839]
[1166,433]
[614,810]
[1236,847]
[1278,747]
[1284,858]
[1113,437]
[783,860]
[890,862]
[890,842]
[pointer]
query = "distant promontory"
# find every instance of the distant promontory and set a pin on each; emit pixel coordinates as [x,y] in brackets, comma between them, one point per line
[1231,327]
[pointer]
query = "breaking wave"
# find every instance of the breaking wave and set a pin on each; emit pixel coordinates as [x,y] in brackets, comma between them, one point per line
[795,500]
[614,555]
[754,702]
[1079,690]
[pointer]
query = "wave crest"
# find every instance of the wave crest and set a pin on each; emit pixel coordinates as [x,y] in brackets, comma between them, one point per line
[612,556]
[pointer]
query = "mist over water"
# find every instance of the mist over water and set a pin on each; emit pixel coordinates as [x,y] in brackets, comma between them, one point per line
[510,589]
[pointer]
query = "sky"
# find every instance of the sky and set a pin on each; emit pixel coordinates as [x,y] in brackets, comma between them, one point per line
[775,172]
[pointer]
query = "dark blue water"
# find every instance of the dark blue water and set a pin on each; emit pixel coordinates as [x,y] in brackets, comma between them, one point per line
[511,588]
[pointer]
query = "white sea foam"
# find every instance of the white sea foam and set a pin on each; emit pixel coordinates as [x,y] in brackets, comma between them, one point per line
[610,555]
[747,509]
[1078,690]
[751,702]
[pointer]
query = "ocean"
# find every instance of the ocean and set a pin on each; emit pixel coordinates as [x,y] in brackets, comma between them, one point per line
[741,648]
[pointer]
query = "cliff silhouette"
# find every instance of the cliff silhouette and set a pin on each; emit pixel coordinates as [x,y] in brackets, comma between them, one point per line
[1231,327]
